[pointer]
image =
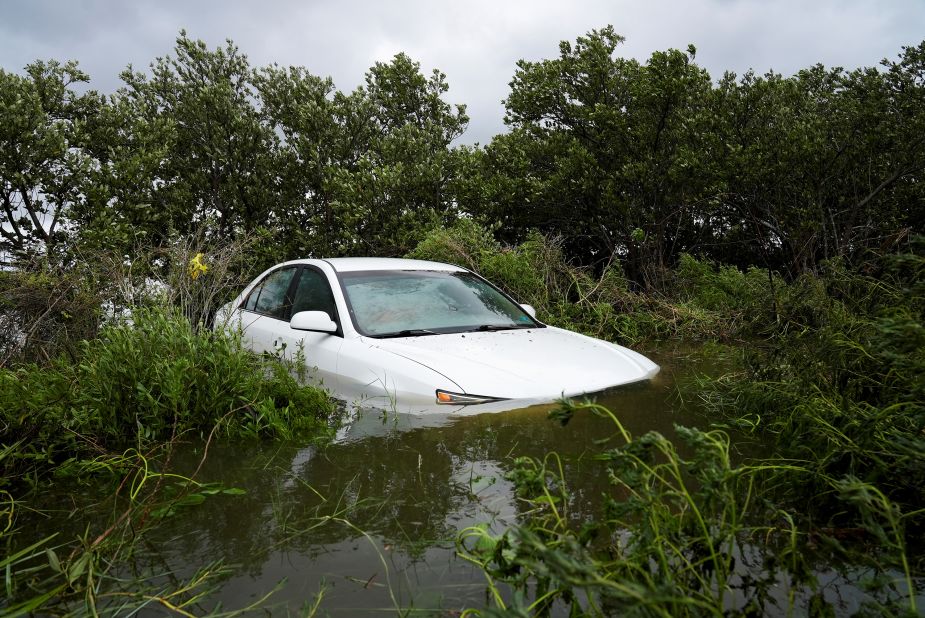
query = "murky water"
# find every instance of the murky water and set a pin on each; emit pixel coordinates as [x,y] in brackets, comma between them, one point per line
[371,520]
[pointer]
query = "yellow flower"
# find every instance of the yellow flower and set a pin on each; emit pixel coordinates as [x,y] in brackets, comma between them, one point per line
[197,267]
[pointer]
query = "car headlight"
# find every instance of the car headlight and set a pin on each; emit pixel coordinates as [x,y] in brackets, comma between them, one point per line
[462,399]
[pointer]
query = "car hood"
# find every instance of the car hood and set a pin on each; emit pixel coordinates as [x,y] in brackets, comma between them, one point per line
[543,363]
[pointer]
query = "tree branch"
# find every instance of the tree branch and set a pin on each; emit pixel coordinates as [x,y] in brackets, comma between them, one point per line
[19,240]
[27,202]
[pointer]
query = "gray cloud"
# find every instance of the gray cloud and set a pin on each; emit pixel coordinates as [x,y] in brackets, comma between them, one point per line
[475,43]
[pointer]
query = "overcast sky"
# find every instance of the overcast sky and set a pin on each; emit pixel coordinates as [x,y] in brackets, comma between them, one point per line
[475,43]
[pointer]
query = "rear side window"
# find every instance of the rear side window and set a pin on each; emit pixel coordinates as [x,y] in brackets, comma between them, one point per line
[270,295]
[251,301]
[313,294]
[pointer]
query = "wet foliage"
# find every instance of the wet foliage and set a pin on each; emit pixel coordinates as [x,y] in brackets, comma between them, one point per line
[636,201]
[829,377]
[106,421]
[685,534]
[150,380]
[837,383]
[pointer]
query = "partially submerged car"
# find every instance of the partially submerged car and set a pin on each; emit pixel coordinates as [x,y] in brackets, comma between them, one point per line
[415,336]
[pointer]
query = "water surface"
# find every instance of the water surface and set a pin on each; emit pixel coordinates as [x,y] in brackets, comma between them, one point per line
[369,522]
[372,518]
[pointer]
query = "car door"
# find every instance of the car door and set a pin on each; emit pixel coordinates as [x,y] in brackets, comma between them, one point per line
[319,351]
[265,312]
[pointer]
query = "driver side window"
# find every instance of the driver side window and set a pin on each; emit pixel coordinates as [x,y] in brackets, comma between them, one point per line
[313,293]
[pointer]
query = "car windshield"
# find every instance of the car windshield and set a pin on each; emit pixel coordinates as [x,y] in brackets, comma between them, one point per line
[423,302]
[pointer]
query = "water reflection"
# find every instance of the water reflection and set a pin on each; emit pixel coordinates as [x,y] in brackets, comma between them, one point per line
[373,517]
[371,520]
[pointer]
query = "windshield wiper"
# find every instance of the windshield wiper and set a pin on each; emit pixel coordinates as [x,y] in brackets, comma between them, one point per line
[493,327]
[410,332]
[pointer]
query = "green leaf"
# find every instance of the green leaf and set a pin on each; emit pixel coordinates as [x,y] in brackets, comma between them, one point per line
[53,561]
[191,500]
[77,568]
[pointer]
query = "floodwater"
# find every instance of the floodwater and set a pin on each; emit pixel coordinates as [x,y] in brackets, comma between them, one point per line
[367,525]
[371,520]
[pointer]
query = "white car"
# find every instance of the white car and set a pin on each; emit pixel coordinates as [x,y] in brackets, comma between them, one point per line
[415,336]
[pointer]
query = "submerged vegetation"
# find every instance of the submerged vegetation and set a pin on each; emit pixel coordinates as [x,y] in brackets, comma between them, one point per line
[838,382]
[104,379]
[106,423]
[639,202]
[685,535]
[830,376]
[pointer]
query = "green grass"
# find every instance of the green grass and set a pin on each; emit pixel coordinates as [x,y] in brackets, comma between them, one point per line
[829,379]
[107,425]
[144,383]
[673,536]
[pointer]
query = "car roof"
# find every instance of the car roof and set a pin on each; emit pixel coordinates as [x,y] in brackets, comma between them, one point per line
[352,264]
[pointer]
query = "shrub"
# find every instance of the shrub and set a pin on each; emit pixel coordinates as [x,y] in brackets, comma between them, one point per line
[463,244]
[149,380]
[46,312]
[839,382]
[598,304]
[197,277]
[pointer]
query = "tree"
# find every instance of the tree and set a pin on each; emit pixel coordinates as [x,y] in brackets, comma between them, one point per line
[44,164]
[212,157]
[648,160]
[820,165]
[400,183]
[365,172]
[324,132]
[614,149]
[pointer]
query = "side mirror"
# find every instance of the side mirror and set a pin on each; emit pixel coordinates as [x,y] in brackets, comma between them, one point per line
[529,309]
[313,320]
